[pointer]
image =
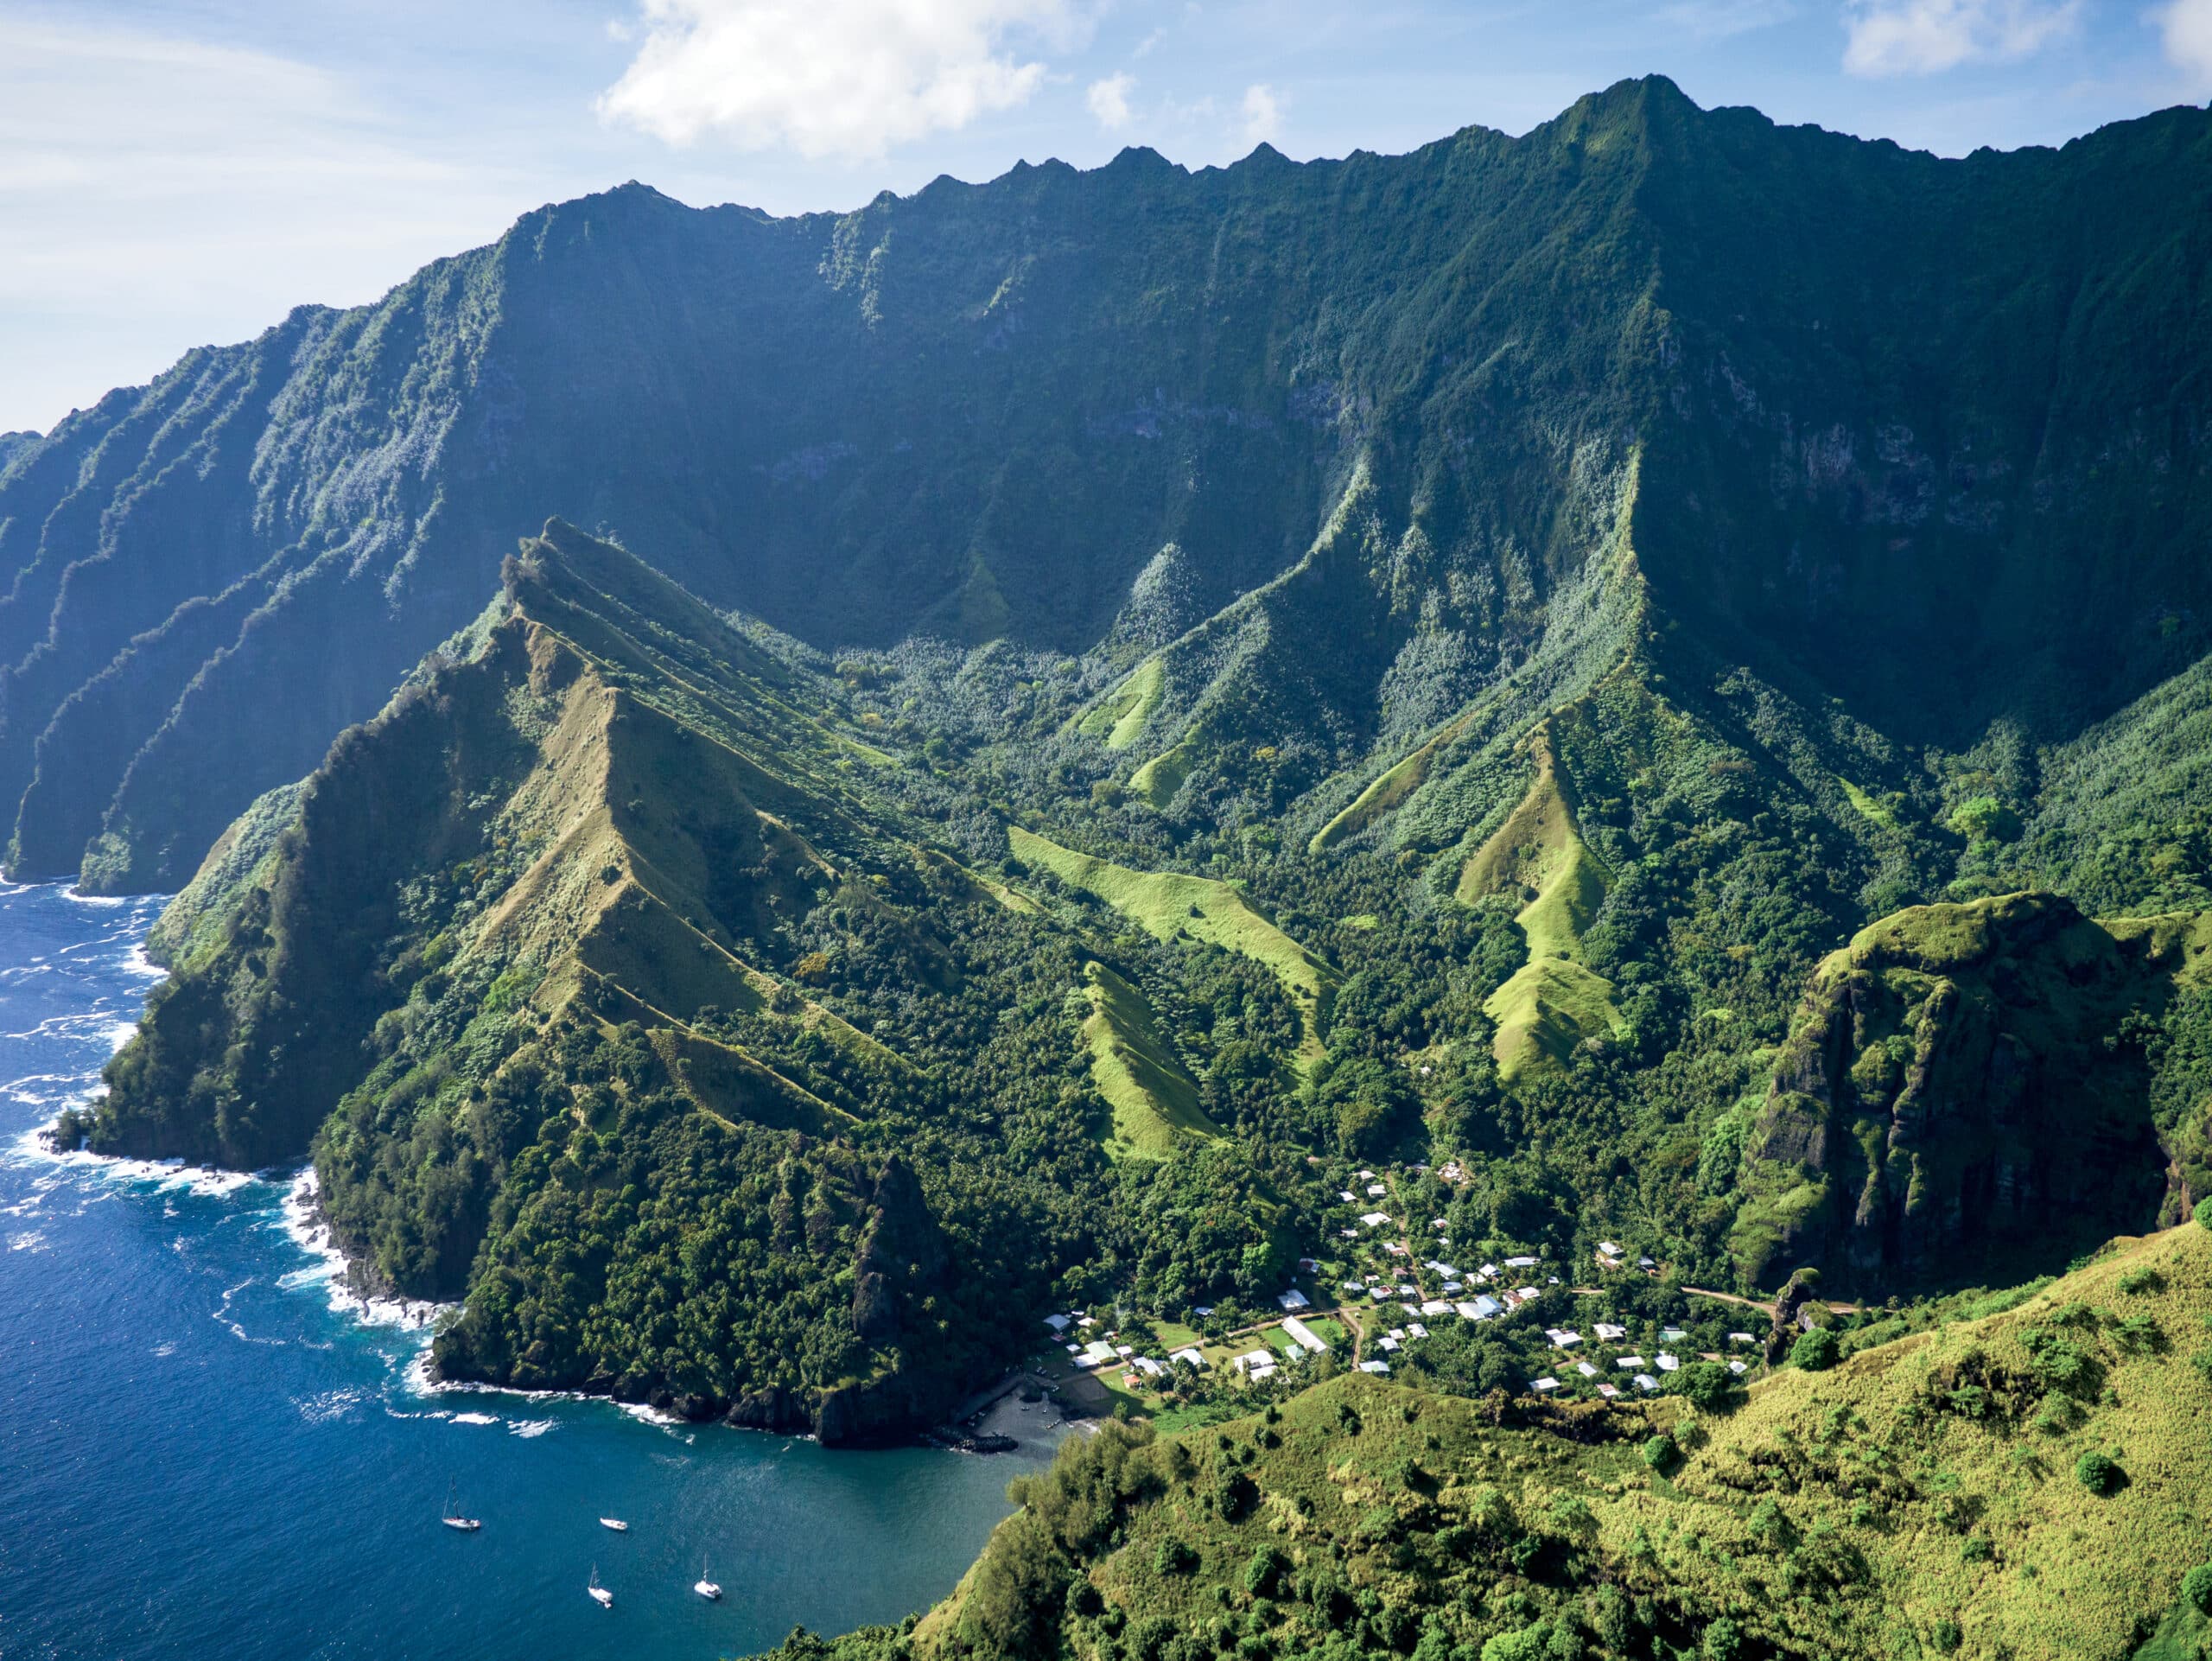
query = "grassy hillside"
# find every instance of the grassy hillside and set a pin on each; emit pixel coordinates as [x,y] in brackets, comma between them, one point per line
[1153,1098]
[1940,1494]
[1172,907]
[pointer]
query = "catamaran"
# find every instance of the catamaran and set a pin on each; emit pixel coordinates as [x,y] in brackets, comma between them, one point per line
[614,1523]
[705,1587]
[453,1519]
[599,1594]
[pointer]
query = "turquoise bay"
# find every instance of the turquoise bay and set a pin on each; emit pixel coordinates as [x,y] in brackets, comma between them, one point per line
[200,1455]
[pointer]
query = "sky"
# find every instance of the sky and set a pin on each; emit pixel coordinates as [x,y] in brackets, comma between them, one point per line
[183,173]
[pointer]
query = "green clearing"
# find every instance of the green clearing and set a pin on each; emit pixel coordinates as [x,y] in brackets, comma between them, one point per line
[1157,780]
[1155,1101]
[1386,793]
[1120,716]
[1552,1002]
[1171,905]
[1867,806]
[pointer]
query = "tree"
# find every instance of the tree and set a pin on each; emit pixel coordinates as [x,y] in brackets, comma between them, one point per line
[1816,1351]
[1661,1453]
[2098,1473]
[2196,1586]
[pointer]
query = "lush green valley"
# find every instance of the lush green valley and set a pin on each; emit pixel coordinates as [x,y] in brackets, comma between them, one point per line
[1624,706]
[2028,1482]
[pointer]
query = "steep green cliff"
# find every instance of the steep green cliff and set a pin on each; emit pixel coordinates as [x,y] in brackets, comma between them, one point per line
[1331,446]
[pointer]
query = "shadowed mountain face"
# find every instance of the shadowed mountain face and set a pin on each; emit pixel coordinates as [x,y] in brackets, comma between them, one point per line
[1914,429]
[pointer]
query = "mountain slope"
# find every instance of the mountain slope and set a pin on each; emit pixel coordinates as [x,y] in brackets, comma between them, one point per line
[1925,1498]
[1315,452]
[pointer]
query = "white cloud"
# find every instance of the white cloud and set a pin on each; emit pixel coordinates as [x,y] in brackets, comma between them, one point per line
[1925,37]
[847,79]
[1110,100]
[1262,114]
[2186,27]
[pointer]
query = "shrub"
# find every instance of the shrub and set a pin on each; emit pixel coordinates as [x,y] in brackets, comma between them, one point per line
[1723,1641]
[2141,1278]
[1529,1644]
[1946,1636]
[1709,1386]
[1264,1571]
[1173,1557]
[1816,1351]
[2204,1213]
[2196,1586]
[1661,1453]
[2098,1473]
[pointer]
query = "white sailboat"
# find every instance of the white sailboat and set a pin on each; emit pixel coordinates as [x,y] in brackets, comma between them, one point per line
[598,1594]
[453,1519]
[705,1587]
[614,1523]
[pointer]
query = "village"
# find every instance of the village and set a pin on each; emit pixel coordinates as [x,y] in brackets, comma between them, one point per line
[1391,1293]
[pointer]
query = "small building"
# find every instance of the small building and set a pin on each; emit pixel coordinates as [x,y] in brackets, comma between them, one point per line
[1481,1309]
[1386,1343]
[1646,1383]
[1609,1333]
[1375,1218]
[1059,1323]
[1629,1363]
[1097,1353]
[1292,1299]
[1147,1365]
[1305,1336]
[1736,1367]
[1741,1337]
[1607,1249]
[1374,1367]
[1252,1358]
[1193,1358]
[1435,1307]
[1544,1386]
[1377,1190]
[1610,1392]
[1668,1363]
[1672,1334]
[1562,1338]
[1586,1369]
[1519,1263]
[1346,1195]
[1415,1329]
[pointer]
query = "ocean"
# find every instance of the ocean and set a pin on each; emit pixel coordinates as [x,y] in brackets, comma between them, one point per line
[207,1450]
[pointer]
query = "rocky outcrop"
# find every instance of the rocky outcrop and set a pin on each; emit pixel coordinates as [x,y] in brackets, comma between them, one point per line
[1963,1085]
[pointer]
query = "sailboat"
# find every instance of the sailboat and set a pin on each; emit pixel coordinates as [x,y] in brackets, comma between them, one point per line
[614,1523]
[598,1594]
[705,1587]
[453,1519]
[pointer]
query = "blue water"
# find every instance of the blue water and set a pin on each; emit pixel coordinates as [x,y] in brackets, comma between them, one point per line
[201,1455]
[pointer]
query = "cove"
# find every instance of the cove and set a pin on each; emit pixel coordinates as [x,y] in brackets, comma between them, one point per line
[203,1451]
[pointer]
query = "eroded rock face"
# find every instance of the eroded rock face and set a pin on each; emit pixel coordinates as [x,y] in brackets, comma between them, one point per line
[1964,1085]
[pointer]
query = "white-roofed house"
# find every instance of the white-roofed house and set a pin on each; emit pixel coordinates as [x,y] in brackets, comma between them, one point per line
[1544,1386]
[1609,1333]
[1374,1367]
[1646,1383]
[1375,1218]
[1059,1323]
[1586,1369]
[1193,1358]
[1292,1299]
[1668,1363]
[1629,1363]
[1519,1263]
[1304,1336]
[1563,1338]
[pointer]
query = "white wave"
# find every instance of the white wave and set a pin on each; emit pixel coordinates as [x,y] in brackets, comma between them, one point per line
[302,1222]
[136,962]
[529,1427]
[341,1403]
[166,1175]
[649,1414]
[164,1350]
[30,1240]
[106,901]
[475,1418]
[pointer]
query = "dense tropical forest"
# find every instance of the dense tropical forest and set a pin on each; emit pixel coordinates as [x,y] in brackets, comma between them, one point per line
[1579,756]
